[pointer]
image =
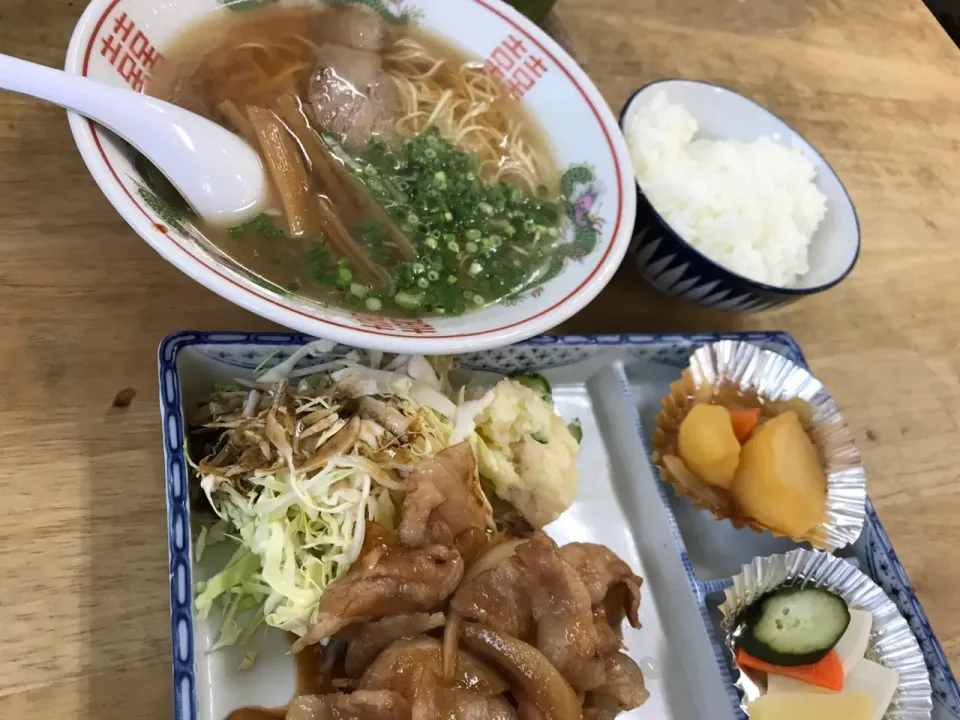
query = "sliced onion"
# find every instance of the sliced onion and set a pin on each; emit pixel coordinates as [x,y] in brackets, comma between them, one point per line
[398,362]
[433,399]
[368,466]
[419,368]
[282,370]
[466,417]
[335,446]
[317,369]
[526,666]
[251,403]
[493,557]
[364,381]
[451,645]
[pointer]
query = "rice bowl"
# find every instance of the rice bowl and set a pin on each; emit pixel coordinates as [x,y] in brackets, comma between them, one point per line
[752,207]
[667,258]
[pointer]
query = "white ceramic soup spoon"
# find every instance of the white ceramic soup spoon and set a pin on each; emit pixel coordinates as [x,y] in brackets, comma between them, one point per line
[217,173]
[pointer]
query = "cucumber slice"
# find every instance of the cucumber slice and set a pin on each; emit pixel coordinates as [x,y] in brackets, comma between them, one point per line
[537,383]
[794,625]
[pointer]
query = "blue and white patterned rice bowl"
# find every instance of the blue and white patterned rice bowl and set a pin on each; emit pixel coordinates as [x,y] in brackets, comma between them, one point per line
[671,264]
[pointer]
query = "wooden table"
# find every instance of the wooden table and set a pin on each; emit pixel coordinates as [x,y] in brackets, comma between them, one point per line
[875,84]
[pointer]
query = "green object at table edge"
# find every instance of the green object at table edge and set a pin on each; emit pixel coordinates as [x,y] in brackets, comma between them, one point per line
[536,10]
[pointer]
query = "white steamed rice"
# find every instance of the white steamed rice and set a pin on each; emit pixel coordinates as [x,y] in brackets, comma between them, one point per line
[751,207]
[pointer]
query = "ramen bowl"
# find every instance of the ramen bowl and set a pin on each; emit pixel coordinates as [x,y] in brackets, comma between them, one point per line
[122,43]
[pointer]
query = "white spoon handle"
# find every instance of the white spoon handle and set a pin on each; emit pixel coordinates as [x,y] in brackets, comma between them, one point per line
[217,172]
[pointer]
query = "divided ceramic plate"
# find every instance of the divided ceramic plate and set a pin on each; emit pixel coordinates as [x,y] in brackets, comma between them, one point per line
[613,385]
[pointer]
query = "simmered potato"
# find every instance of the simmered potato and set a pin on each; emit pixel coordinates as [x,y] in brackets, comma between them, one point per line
[780,481]
[708,445]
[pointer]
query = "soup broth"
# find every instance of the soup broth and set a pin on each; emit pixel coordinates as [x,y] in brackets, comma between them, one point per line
[407,180]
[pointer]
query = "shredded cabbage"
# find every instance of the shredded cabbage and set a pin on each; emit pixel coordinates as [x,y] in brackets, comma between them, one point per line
[296,538]
[299,532]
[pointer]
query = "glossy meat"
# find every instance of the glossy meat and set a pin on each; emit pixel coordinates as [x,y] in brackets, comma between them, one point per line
[527,709]
[443,488]
[608,641]
[433,701]
[351,95]
[535,596]
[593,713]
[401,668]
[624,683]
[359,705]
[562,613]
[546,617]
[497,596]
[608,579]
[387,582]
[531,673]
[370,638]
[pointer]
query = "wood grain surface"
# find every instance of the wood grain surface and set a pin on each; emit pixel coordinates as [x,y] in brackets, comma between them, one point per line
[875,84]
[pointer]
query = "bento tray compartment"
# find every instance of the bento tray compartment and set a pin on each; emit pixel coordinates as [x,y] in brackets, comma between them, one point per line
[613,384]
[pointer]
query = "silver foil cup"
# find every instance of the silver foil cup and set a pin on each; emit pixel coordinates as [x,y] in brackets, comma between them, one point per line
[750,368]
[892,644]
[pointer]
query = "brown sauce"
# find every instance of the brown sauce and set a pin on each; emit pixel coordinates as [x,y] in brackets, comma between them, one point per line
[258,713]
[310,681]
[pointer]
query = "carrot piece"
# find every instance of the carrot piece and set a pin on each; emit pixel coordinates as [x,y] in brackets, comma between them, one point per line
[744,421]
[826,673]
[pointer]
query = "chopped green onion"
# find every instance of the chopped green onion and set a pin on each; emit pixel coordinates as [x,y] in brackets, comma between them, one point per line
[408,300]
[455,219]
[373,305]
